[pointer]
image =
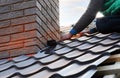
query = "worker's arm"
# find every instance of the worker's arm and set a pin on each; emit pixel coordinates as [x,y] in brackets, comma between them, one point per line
[93,7]
[88,16]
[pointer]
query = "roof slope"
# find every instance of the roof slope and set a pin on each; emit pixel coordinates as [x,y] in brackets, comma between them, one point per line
[72,59]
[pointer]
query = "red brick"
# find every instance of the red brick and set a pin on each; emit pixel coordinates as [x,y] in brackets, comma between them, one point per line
[33,10]
[23,20]
[11,43]
[4,39]
[25,35]
[25,50]
[24,5]
[5,31]
[17,29]
[5,2]
[26,25]
[31,26]
[16,14]
[4,9]
[35,26]
[32,42]
[44,40]
[5,16]
[11,30]
[5,23]
[11,47]
[30,11]
[11,15]
[4,54]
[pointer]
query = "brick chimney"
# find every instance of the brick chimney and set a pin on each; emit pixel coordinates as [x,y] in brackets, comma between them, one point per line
[26,25]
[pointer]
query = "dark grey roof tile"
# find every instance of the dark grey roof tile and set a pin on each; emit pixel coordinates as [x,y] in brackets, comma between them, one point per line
[20,58]
[42,74]
[85,46]
[72,59]
[94,59]
[25,63]
[94,40]
[100,48]
[89,57]
[73,70]
[115,36]
[58,47]
[73,54]
[58,64]
[7,73]
[83,38]
[118,43]
[66,42]
[3,61]
[49,59]
[16,77]
[73,44]
[102,35]
[40,55]
[100,59]
[30,70]
[63,50]
[6,65]
[90,35]
[108,42]
[89,74]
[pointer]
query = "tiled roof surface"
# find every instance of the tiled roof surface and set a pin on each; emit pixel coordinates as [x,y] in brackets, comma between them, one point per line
[76,58]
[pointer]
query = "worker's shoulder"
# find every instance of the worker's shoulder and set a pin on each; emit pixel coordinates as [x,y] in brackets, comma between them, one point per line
[96,1]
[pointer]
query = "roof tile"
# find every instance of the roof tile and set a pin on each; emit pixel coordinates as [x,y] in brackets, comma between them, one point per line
[76,58]
[49,59]
[3,61]
[59,64]
[115,36]
[7,73]
[40,55]
[94,40]
[42,74]
[74,69]
[6,66]
[73,54]
[63,50]
[108,42]
[83,38]
[25,63]
[20,58]
[85,46]
[30,70]
[74,44]
[100,48]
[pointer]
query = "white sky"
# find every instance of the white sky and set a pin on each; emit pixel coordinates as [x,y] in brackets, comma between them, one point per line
[71,11]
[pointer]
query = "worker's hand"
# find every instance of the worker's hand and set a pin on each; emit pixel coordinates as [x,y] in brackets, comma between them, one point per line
[66,36]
